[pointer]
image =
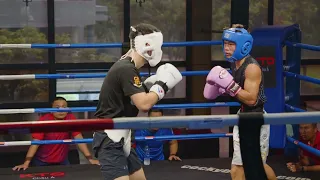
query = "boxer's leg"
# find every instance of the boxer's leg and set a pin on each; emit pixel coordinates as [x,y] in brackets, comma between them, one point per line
[270,173]
[264,146]
[138,175]
[111,157]
[135,166]
[237,172]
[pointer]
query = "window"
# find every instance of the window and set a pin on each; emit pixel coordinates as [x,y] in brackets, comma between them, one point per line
[89,88]
[308,88]
[21,24]
[313,105]
[169,17]
[24,90]
[221,10]
[220,110]
[304,13]
[80,89]
[90,21]
[258,14]
[16,136]
[223,142]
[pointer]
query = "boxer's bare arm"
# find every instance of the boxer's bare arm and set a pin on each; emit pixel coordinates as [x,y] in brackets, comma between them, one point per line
[144,101]
[249,93]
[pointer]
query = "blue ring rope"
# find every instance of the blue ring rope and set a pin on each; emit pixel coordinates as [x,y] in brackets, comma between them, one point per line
[120,45]
[158,106]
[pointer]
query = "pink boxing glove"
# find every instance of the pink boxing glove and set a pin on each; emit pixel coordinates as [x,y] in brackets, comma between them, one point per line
[221,77]
[212,91]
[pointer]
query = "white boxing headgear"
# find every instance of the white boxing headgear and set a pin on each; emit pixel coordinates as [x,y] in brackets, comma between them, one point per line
[149,47]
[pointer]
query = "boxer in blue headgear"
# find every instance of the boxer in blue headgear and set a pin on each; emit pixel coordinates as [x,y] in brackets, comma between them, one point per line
[244,83]
[243,43]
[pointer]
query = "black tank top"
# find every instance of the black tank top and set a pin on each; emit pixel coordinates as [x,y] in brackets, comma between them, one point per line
[239,76]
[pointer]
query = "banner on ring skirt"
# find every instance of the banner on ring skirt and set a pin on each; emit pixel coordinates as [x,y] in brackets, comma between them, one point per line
[227,171]
[265,55]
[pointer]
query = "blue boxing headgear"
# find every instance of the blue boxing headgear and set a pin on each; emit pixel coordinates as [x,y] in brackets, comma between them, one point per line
[243,41]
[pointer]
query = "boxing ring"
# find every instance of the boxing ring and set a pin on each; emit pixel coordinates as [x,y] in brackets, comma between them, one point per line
[282,108]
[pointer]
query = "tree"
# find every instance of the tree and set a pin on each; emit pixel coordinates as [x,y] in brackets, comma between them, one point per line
[167,15]
[25,90]
[305,13]
[35,90]
[110,31]
[220,20]
[21,36]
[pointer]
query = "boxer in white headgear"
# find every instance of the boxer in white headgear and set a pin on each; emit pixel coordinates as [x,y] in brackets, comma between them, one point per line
[146,45]
[123,94]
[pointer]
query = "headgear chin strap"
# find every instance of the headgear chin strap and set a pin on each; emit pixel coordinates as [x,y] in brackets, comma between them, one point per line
[149,47]
[243,41]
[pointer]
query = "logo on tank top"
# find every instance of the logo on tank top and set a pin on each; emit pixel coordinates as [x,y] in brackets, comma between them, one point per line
[264,137]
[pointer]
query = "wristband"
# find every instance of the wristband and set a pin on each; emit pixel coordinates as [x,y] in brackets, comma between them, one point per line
[163,85]
[172,154]
[233,89]
[89,157]
[145,88]
[158,90]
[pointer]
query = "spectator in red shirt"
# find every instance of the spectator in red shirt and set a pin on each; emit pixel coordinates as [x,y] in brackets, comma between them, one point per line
[54,154]
[309,135]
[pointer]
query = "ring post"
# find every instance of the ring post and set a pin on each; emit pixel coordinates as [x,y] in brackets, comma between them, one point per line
[267,50]
[293,59]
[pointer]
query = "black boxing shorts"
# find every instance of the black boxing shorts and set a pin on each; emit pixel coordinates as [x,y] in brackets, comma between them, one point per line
[114,163]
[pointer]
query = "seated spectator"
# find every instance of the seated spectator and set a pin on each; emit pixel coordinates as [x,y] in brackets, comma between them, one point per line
[156,147]
[54,154]
[310,136]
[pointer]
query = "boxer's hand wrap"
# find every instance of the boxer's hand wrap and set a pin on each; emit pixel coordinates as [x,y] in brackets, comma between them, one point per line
[167,77]
[233,89]
[160,88]
[224,79]
[146,89]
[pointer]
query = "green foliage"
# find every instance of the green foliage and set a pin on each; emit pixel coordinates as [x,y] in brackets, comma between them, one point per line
[22,36]
[168,15]
[110,30]
[26,35]
[306,14]
[31,35]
